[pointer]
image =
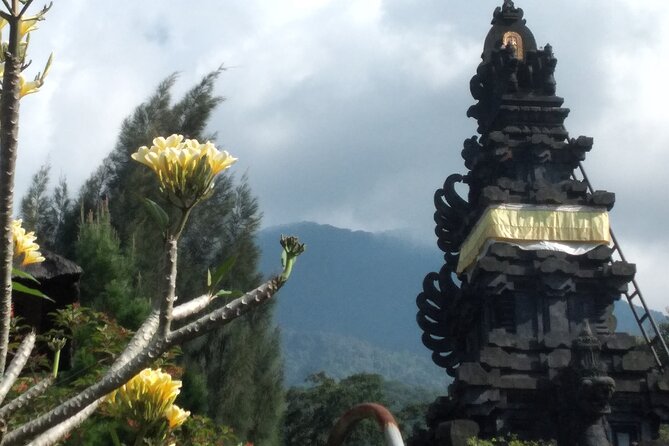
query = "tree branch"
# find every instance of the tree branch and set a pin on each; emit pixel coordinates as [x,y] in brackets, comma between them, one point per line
[9,123]
[122,371]
[167,302]
[8,6]
[25,8]
[140,340]
[192,307]
[17,364]
[26,397]
[53,435]
[230,311]
[112,380]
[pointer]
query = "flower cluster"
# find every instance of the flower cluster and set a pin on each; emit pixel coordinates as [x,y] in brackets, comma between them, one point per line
[26,26]
[24,245]
[185,168]
[147,398]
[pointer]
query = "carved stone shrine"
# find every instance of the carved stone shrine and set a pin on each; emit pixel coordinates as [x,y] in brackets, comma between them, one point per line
[521,313]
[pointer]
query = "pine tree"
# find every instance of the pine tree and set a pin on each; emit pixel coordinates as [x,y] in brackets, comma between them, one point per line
[60,208]
[107,285]
[240,364]
[36,203]
[44,213]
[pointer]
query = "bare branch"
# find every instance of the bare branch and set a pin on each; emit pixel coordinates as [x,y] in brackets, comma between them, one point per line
[139,342]
[4,15]
[9,123]
[9,7]
[141,339]
[53,435]
[231,311]
[26,65]
[26,397]
[26,5]
[124,370]
[112,380]
[17,364]
[167,303]
[192,307]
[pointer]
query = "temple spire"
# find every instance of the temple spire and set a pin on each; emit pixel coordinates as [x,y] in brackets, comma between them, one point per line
[507,13]
[521,312]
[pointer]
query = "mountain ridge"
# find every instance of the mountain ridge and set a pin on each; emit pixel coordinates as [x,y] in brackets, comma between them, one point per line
[358,287]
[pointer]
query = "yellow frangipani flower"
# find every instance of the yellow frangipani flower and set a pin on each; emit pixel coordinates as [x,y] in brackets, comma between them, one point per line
[29,87]
[27,26]
[176,416]
[185,168]
[148,397]
[26,88]
[24,244]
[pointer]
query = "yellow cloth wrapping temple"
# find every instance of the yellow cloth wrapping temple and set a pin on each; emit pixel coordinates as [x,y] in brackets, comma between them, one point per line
[517,223]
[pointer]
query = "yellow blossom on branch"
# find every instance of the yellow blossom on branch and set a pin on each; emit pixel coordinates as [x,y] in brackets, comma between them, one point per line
[176,416]
[147,398]
[24,245]
[185,168]
[28,25]
[26,88]
[29,87]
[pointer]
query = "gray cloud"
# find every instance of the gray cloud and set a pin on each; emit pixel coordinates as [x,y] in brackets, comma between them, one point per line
[350,112]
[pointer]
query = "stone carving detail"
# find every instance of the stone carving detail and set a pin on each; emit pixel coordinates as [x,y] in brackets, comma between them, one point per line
[582,395]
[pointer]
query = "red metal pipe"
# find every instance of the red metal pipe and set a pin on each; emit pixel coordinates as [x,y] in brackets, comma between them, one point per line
[350,419]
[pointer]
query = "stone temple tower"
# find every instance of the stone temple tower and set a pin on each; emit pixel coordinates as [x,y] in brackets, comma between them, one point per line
[521,314]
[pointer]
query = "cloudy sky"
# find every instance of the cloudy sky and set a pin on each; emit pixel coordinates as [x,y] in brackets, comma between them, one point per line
[352,112]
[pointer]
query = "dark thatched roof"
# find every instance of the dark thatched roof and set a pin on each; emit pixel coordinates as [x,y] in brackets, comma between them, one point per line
[54,266]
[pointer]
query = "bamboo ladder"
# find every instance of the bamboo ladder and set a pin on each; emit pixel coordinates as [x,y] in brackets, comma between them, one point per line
[647,325]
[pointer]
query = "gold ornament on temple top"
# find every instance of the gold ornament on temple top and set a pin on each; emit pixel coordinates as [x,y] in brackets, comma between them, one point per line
[512,39]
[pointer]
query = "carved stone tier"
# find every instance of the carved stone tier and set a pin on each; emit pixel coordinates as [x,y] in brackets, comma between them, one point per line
[530,388]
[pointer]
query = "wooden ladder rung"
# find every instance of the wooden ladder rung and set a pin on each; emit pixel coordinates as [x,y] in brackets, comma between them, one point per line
[643,318]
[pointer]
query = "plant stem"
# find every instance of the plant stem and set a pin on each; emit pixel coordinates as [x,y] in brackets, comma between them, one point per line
[56,363]
[288,269]
[114,436]
[139,440]
[185,213]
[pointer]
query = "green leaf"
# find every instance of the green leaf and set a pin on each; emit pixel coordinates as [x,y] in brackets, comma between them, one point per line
[221,272]
[157,213]
[23,275]
[228,293]
[16,286]
[208,278]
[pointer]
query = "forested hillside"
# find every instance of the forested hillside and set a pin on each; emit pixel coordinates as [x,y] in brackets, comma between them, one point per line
[350,306]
